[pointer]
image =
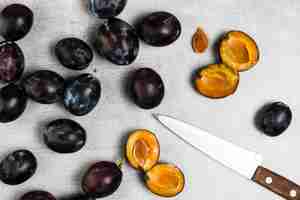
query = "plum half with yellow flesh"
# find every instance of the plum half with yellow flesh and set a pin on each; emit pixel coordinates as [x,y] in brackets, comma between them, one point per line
[239,51]
[165,180]
[142,149]
[216,81]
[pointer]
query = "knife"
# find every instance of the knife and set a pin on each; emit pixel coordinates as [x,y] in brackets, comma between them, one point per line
[242,161]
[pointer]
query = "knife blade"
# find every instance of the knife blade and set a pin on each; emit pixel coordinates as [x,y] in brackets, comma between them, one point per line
[240,160]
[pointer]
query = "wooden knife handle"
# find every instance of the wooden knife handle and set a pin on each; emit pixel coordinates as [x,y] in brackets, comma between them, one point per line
[277,184]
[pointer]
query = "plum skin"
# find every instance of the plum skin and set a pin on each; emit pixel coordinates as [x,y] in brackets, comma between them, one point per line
[117,41]
[159,29]
[18,167]
[64,136]
[44,86]
[107,8]
[146,88]
[13,102]
[38,195]
[12,62]
[74,53]
[102,179]
[82,94]
[273,118]
[17,20]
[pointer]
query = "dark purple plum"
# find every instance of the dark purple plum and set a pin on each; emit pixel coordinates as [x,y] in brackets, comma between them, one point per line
[159,29]
[107,8]
[273,118]
[38,195]
[16,22]
[79,197]
[117,41]
[82,94]
[64,136]
[13,102]
[74,53]
[102,179]
[44,86]
[12,62]
[147,88]
[17,167]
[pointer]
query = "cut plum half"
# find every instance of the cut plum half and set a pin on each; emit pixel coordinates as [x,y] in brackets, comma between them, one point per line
[239,51]
[217,81]
[165,180]
[142,149]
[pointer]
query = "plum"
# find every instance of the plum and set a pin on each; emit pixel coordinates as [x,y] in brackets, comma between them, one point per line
[17,167]
[44,86]
[117,41]
[147,88]
[13,102]
[273,118]
[64,136]
[74,53]
[102,179]
[82,94]
[38,195]
[159,29]
[16,22]
[12,62]
[107,8]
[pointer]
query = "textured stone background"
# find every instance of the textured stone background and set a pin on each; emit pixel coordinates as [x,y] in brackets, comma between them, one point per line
[274,25]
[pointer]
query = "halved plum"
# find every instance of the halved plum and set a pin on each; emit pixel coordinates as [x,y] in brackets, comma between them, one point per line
[239,51]
[142,149]
[217,81]
[165,180]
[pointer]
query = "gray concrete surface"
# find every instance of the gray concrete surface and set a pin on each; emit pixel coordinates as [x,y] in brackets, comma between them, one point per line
[274,25]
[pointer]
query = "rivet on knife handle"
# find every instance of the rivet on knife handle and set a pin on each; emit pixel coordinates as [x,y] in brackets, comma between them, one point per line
[277,184]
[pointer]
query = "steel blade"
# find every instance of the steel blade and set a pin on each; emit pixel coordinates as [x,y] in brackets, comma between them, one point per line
[238,159]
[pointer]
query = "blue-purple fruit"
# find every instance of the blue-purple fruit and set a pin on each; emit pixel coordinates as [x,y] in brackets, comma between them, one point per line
[16,21]
[117,41]
[273,118]
[147,88]
[44,86]
[82,94]
[13,102]
[17,167]
[102,179]
[38,195]
[107,8]
[159,29]
[74,53]
[64,136]
[12,62]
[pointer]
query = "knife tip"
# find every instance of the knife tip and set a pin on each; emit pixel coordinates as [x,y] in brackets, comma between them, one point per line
[155,115]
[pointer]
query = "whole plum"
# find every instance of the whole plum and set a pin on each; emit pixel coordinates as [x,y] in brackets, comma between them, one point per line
[74,53]
[102,179]
[38,195]
[44,86]
[147,88]
[117,41]
[13,101]
[273,118]
[16,22]
[64,136]
[82,94]
[12,62]
[79,197]
[159,29]
[107,8]
[17,167]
